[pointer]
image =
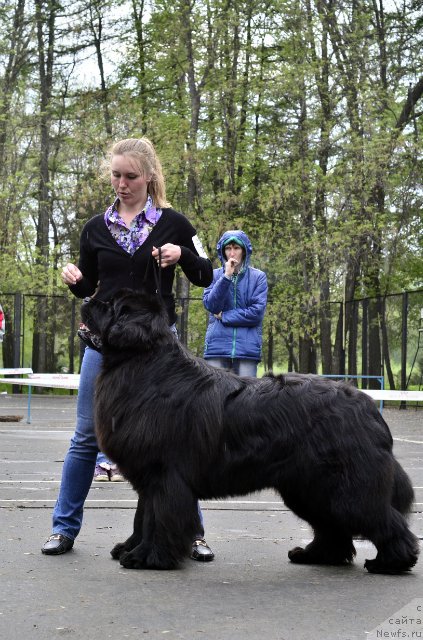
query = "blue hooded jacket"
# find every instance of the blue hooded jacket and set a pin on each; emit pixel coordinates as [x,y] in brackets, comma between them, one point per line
[242,301]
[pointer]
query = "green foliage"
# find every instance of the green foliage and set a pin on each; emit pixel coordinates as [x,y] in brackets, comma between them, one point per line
[282,118]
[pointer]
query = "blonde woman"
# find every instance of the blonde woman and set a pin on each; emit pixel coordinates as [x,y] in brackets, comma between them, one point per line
[118,249]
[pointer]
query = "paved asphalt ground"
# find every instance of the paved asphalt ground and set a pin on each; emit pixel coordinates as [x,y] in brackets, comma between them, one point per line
[250,592]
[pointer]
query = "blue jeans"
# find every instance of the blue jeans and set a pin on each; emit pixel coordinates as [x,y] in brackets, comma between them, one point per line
[237,365]
[80,460]
[102,458]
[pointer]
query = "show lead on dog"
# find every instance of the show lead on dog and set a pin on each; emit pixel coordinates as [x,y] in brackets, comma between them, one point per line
[119,249]
[236,300]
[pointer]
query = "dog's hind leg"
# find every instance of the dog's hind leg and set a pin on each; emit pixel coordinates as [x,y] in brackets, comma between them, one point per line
[171,522]
[330,546]
[397,547]
[136,537]
[402,490]
[332,543]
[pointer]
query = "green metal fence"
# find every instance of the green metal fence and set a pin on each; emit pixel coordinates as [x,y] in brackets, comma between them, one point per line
[399,333]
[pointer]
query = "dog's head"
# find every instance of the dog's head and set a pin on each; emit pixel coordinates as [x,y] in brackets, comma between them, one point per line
[132,320]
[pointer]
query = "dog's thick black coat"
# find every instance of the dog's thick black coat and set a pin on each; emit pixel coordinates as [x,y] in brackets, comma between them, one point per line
[181,430]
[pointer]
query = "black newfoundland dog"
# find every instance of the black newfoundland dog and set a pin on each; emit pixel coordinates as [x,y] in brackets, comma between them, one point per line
[182,431]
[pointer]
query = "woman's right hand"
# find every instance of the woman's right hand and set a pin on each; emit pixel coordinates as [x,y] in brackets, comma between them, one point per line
[71,274]
[230,267]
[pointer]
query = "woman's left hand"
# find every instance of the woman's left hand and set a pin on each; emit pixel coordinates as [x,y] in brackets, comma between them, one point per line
[170,254]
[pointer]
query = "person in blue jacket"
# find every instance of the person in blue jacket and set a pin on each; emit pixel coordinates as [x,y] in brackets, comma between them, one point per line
[236,300]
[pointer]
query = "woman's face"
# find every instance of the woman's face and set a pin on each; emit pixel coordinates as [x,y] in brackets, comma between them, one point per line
[233,250]
[129,183]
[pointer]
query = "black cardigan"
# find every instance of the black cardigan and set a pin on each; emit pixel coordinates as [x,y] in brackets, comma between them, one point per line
[104,264]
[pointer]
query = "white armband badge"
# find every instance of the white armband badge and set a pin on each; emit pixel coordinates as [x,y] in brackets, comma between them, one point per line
[199,247]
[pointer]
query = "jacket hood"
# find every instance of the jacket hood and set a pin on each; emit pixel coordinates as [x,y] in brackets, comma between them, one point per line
[241,238]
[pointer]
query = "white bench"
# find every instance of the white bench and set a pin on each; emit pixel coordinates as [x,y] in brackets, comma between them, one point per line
[50,380]
[71,381]
[14,372]
[394,395]
[383,394]
[387,394]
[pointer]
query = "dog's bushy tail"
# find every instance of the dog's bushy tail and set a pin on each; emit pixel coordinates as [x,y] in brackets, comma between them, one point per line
[402,493]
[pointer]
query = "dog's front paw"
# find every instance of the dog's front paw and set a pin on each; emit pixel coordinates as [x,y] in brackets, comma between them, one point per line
[117,550]
[130,560]
[121,547]
[143,557]
[298,555]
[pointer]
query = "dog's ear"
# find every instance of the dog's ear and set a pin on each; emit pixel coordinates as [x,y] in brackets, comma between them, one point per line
[140,322]
[126,334]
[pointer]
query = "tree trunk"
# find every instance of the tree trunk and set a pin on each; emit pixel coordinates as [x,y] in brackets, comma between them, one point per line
[375,355]
[386,360]
[307,347]
[321,66]
[14,64]
[182,298]
[339,348]
[45,20]
[270,348]
[244,101]
[352,338]
[96,26]
[293,364]
[138,16]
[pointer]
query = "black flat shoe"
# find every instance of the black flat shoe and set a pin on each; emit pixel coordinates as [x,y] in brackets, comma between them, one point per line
[201,551]
[57,544]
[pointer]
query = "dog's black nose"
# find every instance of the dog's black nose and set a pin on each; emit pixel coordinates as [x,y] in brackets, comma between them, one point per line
[87,299]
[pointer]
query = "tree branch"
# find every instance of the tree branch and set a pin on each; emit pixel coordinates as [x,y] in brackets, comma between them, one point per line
[414,95]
